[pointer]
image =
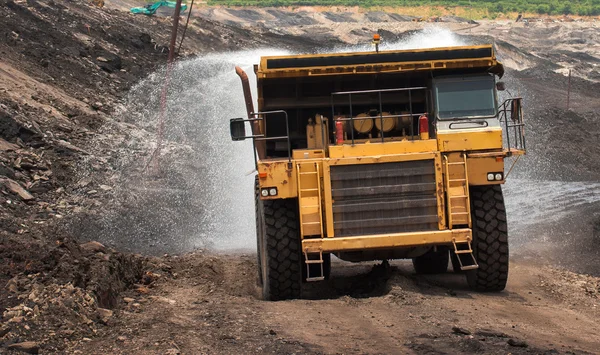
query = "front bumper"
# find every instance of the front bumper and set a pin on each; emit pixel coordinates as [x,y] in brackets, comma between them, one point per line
[387,241]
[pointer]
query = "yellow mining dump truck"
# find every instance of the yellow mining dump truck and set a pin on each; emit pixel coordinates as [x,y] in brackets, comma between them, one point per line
[377,156]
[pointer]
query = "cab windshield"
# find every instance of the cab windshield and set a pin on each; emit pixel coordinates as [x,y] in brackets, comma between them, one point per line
[465,97]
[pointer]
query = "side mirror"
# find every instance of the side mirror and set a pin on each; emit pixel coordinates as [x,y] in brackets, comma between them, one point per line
[500,86]
[237,126]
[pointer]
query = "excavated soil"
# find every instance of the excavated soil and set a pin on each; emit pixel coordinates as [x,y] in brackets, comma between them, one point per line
[66,68]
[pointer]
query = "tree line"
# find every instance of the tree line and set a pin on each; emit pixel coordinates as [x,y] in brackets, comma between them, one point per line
[547,7]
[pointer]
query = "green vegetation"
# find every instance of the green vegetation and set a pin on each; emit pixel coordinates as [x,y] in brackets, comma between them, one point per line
[549,7]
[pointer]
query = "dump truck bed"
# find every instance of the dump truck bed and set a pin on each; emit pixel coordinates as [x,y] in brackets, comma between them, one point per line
[482,56]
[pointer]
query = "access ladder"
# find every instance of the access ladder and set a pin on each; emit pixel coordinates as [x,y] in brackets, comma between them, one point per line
[458,205]
[311,216]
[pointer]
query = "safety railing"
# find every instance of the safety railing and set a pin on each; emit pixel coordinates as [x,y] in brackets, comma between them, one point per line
[379,116]
[510,115]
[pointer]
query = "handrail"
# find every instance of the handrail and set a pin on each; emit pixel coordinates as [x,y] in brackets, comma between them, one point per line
[516,129]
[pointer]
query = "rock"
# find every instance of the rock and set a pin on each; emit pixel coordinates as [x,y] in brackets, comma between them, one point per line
[463,331]
[121,338]
[29,347]
[272,332]
[16,188]
[491,334]
[149,277]
[68,146]
[6,146]
[93,247]
[4,331]
[137,43]
[11,286]
[145,38]
[109,62]
[92,192]
[105,188]
[517,343]
[97,105]
[105,315]
[172,352]
[128,299]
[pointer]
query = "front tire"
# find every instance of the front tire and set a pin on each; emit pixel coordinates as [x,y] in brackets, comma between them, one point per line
[490,239]
[279,249]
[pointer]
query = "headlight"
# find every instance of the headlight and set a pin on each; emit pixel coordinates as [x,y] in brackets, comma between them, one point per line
[490,177]
[498,176]
[264,192]
[272,191]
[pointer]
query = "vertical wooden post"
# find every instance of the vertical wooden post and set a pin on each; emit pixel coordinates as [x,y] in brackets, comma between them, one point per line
[569,90]
[174,30]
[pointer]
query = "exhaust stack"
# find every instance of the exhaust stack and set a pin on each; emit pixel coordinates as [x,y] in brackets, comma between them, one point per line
[255,125]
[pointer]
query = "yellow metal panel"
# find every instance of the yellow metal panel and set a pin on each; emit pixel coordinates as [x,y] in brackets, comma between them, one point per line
[439,183]
[278,174]
[472,139]
[308,154]
[327,199]
[384,241]
[382,159]
[480,167]
[377,149]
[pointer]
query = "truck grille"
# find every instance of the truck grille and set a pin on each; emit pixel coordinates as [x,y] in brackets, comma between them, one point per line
[384,198]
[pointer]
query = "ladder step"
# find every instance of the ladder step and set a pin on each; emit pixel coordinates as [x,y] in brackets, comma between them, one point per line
[310,223]
[314,261]
[457,180]
[308,190]
[311,206]
[469,267]
[320,278]
[463,251]
[457,163]
[309,173]
[459,196]
[460,212]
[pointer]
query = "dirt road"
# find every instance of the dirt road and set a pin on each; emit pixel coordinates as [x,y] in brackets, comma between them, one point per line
[207,304]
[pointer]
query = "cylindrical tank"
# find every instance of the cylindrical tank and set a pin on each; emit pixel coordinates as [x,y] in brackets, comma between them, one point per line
[363,123]
[389,123]
[404,120]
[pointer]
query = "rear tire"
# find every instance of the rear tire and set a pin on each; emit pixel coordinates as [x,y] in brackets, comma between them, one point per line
[279,249]
[432,262]
[490,239]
